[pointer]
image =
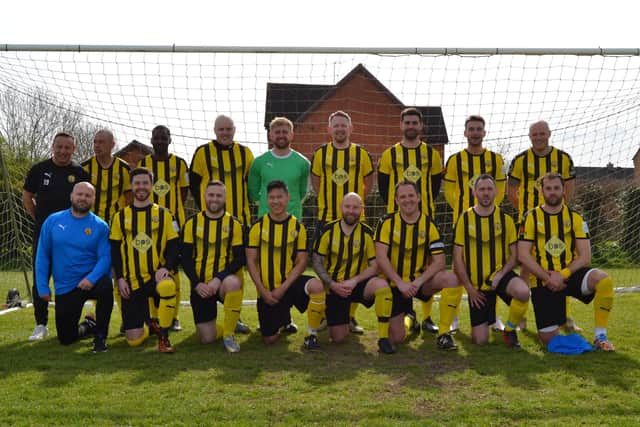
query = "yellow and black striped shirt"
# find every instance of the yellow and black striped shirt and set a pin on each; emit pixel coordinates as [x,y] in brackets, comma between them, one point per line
[527,168]
[142,234]
[169,177]
[213,241]
[418,165]
[346,256]
[278,244]
[486,242]
[409,245]
[461,172]
[340,171]
[553,236]
[111,183]
[230,165]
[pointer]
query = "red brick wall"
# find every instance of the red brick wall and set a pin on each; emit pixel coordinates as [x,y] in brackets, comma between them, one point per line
[376,119]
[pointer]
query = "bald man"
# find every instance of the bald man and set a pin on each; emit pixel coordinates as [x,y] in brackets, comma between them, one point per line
[524,190]
[345,260]
[74,248]
[225,160]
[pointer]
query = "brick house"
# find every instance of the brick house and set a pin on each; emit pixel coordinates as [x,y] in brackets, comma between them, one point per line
[374,111]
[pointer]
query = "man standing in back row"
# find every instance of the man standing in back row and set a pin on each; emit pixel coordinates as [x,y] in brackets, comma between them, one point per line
[525,173]
[464,167]
[337,168]
[412,160]
[170,187]
[280,163]
[225,160]
[47,189]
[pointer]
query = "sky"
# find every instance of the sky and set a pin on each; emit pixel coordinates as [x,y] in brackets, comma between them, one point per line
[422,24]
[353,23]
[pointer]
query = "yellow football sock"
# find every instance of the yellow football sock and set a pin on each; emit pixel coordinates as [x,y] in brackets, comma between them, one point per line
[352,310]
[603,302]
[137,342]
[220,330]
[176,279]
[167,290]
[232,305]
[153,310]
[315,311]
[426,309]
[517,310]
[449,302]
[568,308]
[382,304]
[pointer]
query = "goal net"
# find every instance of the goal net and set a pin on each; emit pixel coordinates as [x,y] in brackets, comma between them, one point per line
[590,99]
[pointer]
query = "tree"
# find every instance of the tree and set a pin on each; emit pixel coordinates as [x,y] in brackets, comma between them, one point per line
[29,119]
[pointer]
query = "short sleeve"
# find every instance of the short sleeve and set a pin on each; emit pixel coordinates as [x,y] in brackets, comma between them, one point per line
[385,162]
[254,236]
[436,167]
[458,238]
[436,246]
[302,239]
[115,232]
[580,227]
[238,233]
[383,232]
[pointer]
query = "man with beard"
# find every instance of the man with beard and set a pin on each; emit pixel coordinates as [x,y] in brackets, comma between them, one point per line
[276,259]
[110,177]
[144,250]
[225,160]
[46,190]
[170,187]
[554,246]
[413,160]
[525,172]
[411,255]
[484,256]
[280,163]
[74,249]
[344,259]
[464,167]
[212,249]
[337,168]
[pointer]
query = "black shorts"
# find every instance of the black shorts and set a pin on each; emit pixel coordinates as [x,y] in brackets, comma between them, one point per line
[551,307]
[69,309]
[204,309]
[135,309]
[402,305]
[338,307]
[273,317]
[487,314]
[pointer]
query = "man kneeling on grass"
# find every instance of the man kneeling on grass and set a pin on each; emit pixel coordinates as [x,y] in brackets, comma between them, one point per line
[484,255]
[212,248]
[555,247]
[344,259]
[74,248]
[410,253]
[276,258]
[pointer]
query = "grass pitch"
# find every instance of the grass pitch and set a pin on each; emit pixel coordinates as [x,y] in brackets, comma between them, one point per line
[44,383]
